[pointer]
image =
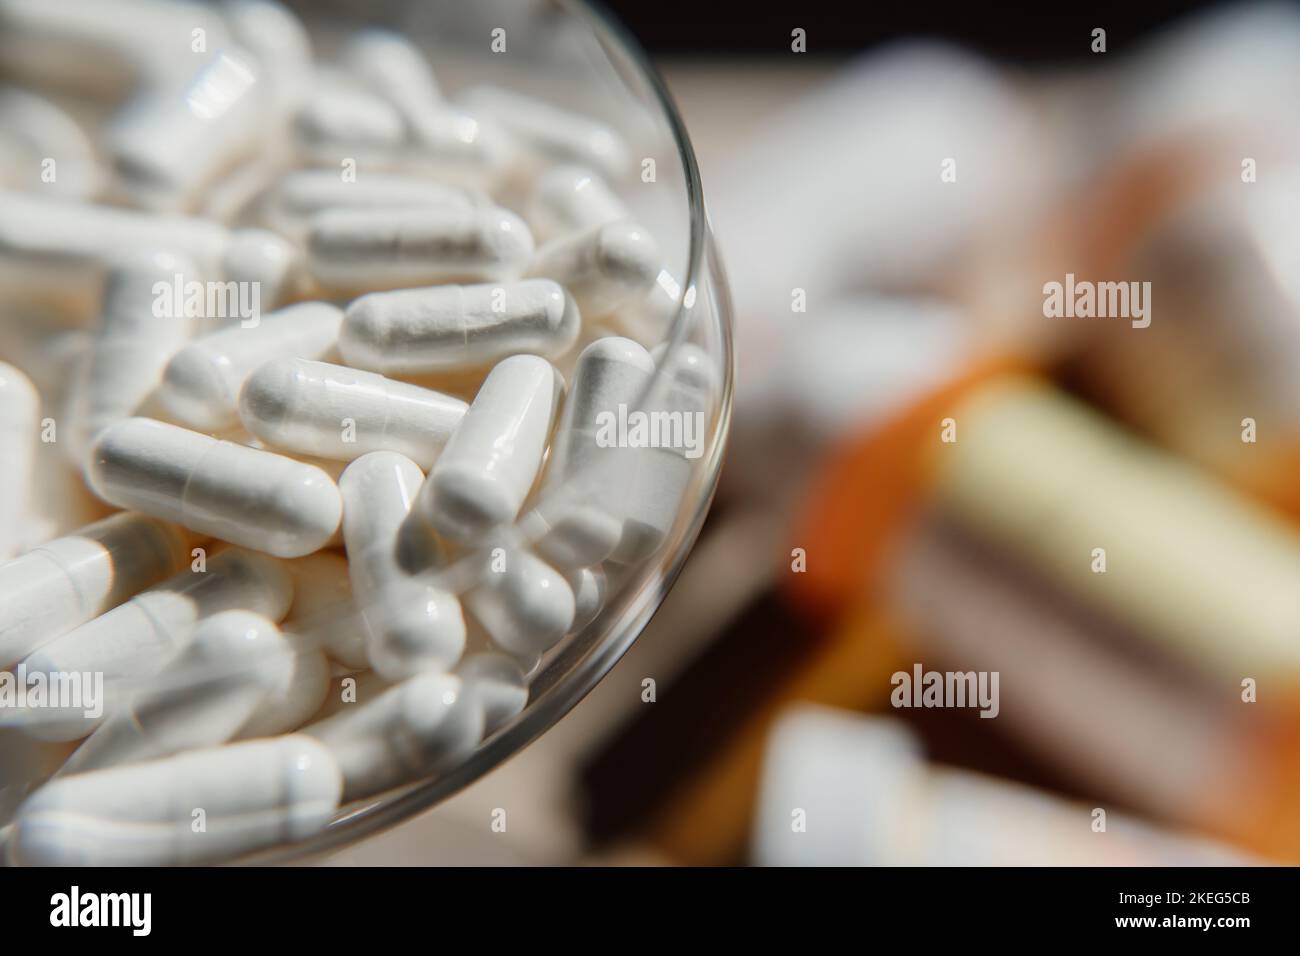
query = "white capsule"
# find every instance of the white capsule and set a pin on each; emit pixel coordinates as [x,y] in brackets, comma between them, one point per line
[103,47]
[201,384]
[388,122]
[604,268]
[554,134]
[323,608]
[298,692]
[64,583]
[479,642]
[118,653]
[292,666]
[649,319]
[389,65]
[138,333]
[235,679]
[279,41]
[238,494]
[419,727]
[681,400]
[569,199]
[42,147]
[333,411]
[523,603]
[413,625]
[386,249]
[166,146]
[299,195]
[579,525]
[454,146]
[579,521]
[458,328]
[19,420]
[487,469]
[349,691]
[260,260]
[253,795]
[60,247]
[131,643]
[497,684]
[340,121]
[588,586]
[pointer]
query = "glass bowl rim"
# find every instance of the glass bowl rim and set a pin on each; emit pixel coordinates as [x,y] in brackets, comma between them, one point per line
[394,807]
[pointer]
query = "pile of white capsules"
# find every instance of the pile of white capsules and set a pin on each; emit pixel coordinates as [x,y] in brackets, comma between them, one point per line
[340,531]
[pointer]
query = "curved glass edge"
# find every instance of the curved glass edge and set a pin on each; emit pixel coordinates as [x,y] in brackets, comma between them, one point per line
[595,661]
[393,808]
[604,24]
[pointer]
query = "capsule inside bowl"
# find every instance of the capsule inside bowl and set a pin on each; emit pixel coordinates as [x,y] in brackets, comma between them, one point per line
[363,303]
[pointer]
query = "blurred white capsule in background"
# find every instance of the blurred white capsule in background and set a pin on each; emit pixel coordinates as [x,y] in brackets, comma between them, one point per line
[870,799]
[297,196]
[349,690]
[166,148]
[554,134]
[339,121]
[1227,76]
[278,40]
[588,587]
[137,334]
[858,217]
[497,684]
[416,728]
[105,48]
[569,199]
[128,645]
[58,250]
[324,610]
[458,147]
[604,268]
[19,422]
[864,359]
[389,65]
[234,196]
[42,146]
[53,588]
[239,676]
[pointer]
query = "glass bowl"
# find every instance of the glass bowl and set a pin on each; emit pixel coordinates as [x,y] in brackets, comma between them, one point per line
[581,59]
[572,55]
